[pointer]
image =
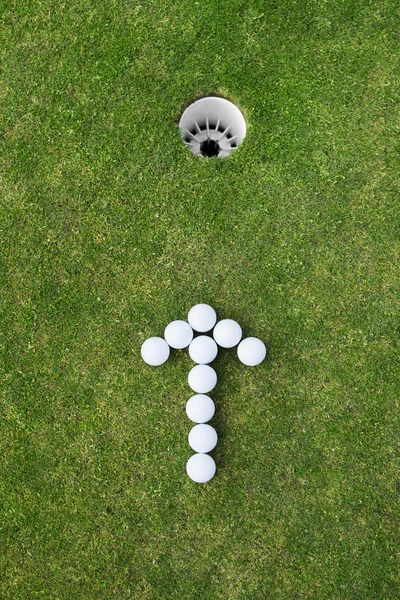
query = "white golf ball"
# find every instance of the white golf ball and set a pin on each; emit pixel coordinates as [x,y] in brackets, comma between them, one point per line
[200,468]
[178,334]
[200,408]
[202,438]
[202,317]
[251,351]
[202,379]
[203,349]
[155,351]
[227,333]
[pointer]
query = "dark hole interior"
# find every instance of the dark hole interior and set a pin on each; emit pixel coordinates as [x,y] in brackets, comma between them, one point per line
[209,148]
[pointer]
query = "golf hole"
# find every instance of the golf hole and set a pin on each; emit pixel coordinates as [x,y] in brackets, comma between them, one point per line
[212,127]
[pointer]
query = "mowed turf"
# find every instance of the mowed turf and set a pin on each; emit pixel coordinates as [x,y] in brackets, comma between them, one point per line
[110,228]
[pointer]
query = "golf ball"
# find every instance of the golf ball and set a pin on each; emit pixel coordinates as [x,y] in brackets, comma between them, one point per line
[203,349]
[200,408]
[251,351]
[227,333]
[202,317]
[202,438]
[178,334]
[200,468]
[202,379]
[155,351]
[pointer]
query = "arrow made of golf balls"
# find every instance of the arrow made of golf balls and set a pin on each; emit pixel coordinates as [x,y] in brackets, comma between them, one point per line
[203,349]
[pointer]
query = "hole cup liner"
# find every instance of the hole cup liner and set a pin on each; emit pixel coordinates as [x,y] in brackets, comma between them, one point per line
[212,126]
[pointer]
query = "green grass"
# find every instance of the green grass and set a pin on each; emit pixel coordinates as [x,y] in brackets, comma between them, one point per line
[110,228]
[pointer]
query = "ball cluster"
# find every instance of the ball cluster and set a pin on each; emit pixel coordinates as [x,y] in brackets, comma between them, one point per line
[203,349]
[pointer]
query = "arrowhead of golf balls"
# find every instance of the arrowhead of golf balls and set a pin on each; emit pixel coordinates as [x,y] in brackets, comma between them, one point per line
[178,334]
[202,317]
[203,349]
[155,351]
[227,333]
[251,351]
[201,468]
[202,379]
[202,438]
[200,408]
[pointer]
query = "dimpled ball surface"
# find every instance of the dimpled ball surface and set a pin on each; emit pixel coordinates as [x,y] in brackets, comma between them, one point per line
[203,438]
[178,334]
[202,379]
[155,351]
[200,408]
[251,351]
[203,350]
[200,468]
[227,333]
[202,317]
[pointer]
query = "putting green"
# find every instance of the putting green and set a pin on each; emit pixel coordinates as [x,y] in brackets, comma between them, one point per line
[111,228]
